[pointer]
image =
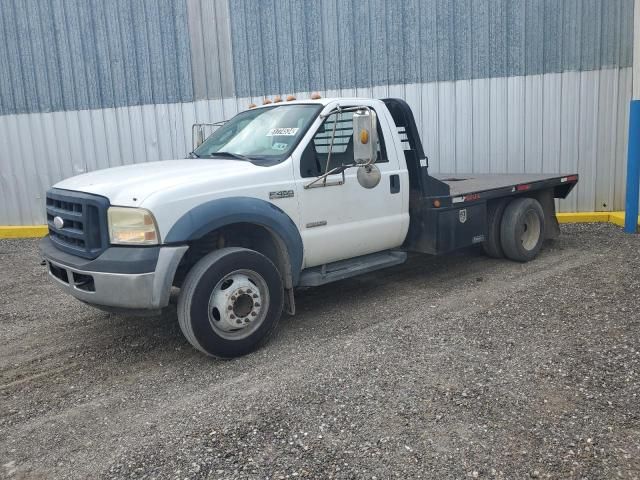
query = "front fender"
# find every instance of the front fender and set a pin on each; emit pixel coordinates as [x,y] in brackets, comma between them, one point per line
[226,211]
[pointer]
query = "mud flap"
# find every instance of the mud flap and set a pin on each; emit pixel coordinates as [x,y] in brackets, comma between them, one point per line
[552,228]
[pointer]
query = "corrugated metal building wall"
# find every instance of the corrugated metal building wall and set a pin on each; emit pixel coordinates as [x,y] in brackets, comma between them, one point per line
[497,85]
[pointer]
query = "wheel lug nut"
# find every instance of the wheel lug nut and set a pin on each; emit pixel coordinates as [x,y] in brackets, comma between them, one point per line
[230,307]
[233,316]
[238,321]
[253,314]
[257,304]
[255,296]
[246,320]
[248,290]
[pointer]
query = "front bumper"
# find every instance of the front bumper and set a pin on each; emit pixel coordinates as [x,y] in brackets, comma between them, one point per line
[122,277]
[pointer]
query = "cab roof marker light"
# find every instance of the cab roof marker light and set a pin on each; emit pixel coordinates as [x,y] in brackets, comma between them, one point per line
[315,96]
[523,187]
[252,105]
[277,99]
[267,101]
[290,98]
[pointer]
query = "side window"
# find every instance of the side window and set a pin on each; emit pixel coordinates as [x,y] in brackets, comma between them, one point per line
[314,158]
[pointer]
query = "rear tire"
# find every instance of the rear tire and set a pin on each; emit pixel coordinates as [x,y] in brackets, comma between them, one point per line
[492,246]
[230,302]
[522,229]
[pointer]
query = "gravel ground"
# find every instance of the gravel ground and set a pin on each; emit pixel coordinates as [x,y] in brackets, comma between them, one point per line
[452,367]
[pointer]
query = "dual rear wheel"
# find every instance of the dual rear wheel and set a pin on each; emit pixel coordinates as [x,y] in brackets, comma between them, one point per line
[516,229]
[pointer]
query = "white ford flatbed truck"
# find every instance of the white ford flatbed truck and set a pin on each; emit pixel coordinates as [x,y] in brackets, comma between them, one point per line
[283,196]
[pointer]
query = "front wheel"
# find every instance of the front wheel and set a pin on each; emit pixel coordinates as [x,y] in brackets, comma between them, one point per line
[230,302]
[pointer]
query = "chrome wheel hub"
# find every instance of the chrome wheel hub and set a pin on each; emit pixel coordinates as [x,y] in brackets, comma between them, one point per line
[238,304]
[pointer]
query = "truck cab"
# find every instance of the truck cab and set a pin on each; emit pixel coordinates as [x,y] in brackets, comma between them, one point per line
[285,195]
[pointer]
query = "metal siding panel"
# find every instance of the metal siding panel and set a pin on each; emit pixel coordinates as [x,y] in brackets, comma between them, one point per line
[410,35]
[610,33]
[7,103]
[499,119]
[534,37]
[224,47]
[395,48]
[379,43]
[622,127]
[428,41]
[462,39]
[481,126]
[155,54]
[50,52]
[300,64]
[103,59]
[356,47]
[331,45]
[143,60]
[626,33]
[516,21]
[515,125]
[241,65]
[430,128]
[115,51]
[285,54]
[315,54]
[552,33]
[24,59]
[480,44]
[588,140]
[498,58]
[198,63]
[446,40]
[533,123]
[129,52]
[606,138]
[169,52]
[551,124]
[590,34]
[463,126]
[571,34]
[447,127]
[269,47]
[89,58]
[570,132]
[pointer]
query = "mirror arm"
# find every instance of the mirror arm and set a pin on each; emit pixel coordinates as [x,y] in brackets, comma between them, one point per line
[323,178]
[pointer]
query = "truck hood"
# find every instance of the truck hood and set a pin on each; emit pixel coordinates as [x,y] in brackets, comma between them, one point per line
[129,185]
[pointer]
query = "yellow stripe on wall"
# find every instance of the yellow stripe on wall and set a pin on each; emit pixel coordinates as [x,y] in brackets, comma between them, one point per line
[17,231]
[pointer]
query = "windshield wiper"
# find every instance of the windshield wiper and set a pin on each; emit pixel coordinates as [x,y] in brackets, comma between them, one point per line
[237,156]
[193,155]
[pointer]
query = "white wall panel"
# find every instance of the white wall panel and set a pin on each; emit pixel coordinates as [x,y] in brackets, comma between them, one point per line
[552,123]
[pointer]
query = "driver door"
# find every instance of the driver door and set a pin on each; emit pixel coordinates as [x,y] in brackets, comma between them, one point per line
[340,220]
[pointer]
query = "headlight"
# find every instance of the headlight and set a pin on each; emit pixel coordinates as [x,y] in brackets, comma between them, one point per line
[132,226]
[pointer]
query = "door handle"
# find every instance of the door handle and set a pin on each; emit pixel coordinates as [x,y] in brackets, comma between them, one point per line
[394,183]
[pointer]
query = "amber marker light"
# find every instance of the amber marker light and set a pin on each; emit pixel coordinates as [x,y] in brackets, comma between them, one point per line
[436,203]
[290,98]
[252,105]
[315,96]
[277,99]
[267,101]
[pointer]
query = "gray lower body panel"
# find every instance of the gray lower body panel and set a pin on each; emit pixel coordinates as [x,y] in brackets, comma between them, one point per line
[149,290]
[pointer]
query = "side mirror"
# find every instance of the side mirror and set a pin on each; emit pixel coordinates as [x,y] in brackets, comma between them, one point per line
[365,136]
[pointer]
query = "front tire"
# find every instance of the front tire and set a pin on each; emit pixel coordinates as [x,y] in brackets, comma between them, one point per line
[230,302]
[522,229]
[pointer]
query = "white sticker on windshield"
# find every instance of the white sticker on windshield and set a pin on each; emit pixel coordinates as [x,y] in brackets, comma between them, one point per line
[279,146]
[285,132]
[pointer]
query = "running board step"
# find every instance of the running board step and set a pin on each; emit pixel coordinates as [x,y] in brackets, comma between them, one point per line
[331,272]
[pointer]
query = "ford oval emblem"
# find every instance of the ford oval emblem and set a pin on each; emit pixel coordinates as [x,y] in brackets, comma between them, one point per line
[58,222]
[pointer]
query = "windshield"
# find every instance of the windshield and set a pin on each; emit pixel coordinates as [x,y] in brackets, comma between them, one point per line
[262,134]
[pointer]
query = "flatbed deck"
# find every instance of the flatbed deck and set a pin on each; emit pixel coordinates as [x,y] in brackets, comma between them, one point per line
[464,184]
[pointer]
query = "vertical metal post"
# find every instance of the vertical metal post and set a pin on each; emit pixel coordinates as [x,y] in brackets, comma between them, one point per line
[633,159]
[633,169]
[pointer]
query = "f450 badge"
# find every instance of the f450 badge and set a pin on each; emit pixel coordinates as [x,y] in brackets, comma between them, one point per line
[280,194]
[462,215]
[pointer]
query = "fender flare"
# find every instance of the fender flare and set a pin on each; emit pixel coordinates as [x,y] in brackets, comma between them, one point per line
[218,213]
